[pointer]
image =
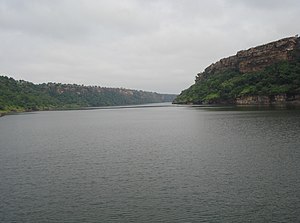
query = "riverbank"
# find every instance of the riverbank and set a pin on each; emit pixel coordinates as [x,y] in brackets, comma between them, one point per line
[7,112]
[264,100]
[20,110]
[164,104]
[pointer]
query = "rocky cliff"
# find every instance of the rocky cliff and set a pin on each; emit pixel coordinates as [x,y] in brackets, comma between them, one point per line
[256,58]
[266,74]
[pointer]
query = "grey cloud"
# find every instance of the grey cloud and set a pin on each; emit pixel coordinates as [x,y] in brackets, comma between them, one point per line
[66,20]
[156,45]
[266,4]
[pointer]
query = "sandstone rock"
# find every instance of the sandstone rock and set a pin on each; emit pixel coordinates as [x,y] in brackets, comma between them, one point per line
[256,58]
[266,100]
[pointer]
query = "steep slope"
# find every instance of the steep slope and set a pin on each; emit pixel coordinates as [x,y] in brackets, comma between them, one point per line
[265,74]
[26,96]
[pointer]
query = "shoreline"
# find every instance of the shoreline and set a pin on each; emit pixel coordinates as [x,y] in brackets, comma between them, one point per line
[162,104]
[276,106]
[256,100]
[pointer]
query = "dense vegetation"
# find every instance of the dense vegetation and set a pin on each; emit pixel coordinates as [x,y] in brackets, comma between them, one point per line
[26,96]
[225,87]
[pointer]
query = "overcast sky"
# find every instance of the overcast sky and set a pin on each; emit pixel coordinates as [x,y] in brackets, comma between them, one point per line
[153,45]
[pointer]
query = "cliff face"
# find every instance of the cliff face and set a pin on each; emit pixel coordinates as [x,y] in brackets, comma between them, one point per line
[266,74]
[256,58]
[273,99]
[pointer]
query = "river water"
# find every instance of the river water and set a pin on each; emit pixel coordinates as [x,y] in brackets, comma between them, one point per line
[151,164]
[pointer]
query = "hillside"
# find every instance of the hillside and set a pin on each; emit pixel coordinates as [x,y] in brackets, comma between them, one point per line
[266,74]
[26,96]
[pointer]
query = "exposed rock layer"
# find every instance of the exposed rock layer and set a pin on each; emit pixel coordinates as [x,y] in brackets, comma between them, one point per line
[256,58]
[275,99]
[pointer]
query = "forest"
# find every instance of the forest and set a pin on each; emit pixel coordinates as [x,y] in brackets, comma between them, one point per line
[226,86]
[20,95]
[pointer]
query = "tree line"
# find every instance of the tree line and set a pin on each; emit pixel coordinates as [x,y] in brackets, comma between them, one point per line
[20,95]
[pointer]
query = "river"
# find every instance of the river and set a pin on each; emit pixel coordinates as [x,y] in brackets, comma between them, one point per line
[159,163]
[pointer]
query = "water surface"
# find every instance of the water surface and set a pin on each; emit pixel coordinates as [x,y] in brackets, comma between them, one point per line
[151,164]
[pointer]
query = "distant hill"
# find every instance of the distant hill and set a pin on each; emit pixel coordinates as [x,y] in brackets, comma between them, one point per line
[26,96]
[266,74]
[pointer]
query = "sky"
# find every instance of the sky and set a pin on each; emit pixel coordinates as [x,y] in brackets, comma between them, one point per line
[151,45]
